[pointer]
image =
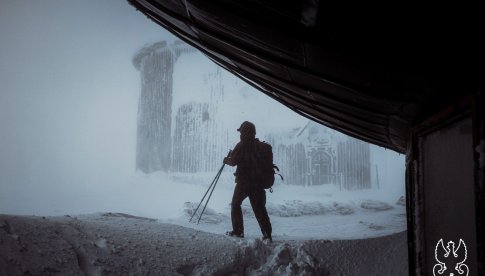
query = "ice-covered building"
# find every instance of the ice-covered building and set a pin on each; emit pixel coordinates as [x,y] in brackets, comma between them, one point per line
[314,155]
[174,136]
[154,137]
[183,125]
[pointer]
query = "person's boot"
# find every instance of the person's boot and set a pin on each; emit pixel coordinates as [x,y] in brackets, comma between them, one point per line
[235,234]
[267,238]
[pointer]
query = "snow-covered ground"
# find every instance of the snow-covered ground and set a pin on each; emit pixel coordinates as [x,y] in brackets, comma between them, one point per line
[321,212]
[120,244]
[140,226]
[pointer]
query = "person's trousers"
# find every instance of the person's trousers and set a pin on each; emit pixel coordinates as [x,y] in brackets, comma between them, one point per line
[257,198]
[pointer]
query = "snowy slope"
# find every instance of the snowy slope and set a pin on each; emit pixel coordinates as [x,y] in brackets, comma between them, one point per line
[121,244]
[320,230]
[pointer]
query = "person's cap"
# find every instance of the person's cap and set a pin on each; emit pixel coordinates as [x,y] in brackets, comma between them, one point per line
[247,127]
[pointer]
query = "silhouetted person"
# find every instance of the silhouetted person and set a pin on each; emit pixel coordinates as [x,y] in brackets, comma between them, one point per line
[247,184]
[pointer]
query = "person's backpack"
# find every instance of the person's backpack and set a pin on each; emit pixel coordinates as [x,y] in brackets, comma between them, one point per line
[264,167]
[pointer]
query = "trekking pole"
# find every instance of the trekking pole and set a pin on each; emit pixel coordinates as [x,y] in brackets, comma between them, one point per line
[213,183]
[213,188]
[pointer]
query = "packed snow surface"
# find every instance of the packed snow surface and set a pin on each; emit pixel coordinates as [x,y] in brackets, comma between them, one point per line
[296,212]
[122,244]
[141,227]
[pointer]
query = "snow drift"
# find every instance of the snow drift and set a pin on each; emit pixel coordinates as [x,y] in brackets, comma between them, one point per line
[121,244]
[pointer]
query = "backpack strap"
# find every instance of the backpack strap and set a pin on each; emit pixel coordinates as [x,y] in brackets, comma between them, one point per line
[278,170]
[280,176]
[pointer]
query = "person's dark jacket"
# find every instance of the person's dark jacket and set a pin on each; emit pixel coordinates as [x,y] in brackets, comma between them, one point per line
[243,156]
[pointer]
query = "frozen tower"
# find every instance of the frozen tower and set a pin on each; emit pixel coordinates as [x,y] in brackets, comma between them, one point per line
[154,145]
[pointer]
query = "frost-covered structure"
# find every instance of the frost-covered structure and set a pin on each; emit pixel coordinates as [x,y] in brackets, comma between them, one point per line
[173,135]
[154,138]
[316,155]
[201,138]
[189,111]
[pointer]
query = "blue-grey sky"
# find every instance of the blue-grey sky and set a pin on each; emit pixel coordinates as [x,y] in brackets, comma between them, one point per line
[68,89]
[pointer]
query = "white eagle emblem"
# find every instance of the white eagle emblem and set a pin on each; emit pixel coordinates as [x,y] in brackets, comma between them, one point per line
[451,256]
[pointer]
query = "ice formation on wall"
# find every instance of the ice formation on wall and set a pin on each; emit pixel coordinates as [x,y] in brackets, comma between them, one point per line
[154,138]
[315,155]
[200,137]
[353,164]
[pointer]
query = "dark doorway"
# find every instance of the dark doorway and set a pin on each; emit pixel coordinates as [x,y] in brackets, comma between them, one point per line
[321,168]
